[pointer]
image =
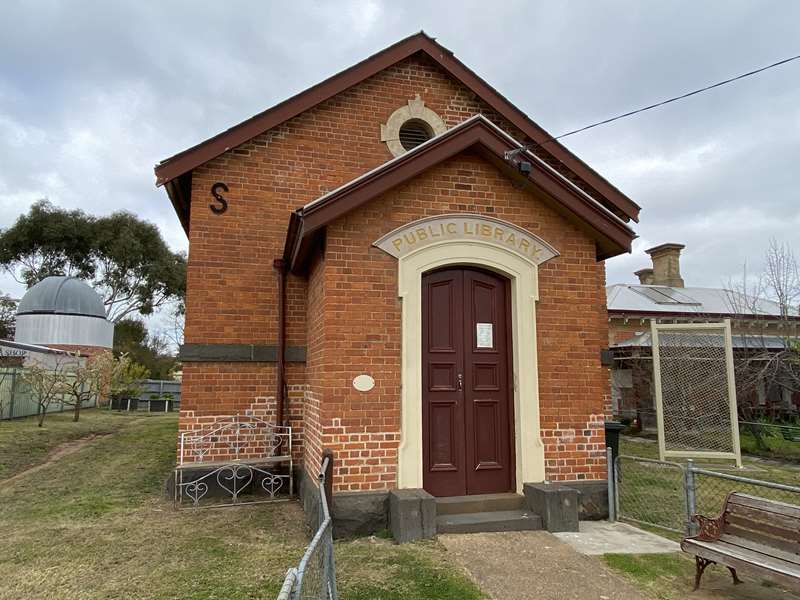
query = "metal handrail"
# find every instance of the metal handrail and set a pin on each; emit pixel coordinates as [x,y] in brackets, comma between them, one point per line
[288,585]
[293,584]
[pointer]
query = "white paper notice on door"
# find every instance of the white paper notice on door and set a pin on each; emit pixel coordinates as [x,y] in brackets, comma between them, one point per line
[484,335]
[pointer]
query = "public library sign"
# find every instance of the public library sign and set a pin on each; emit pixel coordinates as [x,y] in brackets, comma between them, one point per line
[464,227]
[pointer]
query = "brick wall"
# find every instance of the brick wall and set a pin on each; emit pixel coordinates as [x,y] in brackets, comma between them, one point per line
[362,325]
[82,350]
[347,312]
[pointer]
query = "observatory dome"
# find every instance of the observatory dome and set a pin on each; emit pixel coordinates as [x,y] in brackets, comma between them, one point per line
[62,296]
[63,311]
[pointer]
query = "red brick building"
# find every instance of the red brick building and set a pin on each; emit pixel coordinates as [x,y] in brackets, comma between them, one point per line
[382,264]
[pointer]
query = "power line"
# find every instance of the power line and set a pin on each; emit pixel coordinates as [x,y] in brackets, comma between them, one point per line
[656,105]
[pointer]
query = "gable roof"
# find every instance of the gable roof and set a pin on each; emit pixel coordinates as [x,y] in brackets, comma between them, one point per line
[629,299]
[613,235]
[174,171]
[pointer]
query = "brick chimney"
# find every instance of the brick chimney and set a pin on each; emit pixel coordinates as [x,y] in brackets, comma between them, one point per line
[666,265]
[645,276]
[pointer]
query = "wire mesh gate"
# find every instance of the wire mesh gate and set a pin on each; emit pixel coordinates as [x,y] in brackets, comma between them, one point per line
[695,391]
[651,492]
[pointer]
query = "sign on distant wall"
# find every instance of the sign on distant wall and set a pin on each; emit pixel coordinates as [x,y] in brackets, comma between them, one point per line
[459,227]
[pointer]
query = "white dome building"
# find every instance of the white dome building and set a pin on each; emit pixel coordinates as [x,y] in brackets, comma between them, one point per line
[64,312]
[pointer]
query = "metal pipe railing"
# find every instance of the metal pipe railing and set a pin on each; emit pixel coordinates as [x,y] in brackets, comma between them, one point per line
[322,542]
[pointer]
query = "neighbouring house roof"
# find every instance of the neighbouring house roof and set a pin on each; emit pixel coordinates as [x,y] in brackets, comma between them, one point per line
[20,347]
[738,342]
[175,172]
[613,235]
[664,300]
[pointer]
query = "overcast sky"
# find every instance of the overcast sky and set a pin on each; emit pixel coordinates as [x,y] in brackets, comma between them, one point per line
[93,94]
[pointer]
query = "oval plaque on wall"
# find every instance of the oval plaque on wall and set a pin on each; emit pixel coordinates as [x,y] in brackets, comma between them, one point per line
[363,383]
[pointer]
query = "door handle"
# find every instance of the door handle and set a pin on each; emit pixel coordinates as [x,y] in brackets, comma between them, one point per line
[460,382]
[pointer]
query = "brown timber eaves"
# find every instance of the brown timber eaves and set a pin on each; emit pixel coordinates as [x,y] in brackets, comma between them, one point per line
[612,234]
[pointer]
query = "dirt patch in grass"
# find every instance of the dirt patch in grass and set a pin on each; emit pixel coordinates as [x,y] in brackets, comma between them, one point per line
[24,445]
[55,454]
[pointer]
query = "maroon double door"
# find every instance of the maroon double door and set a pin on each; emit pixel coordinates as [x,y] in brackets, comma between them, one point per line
[467,415]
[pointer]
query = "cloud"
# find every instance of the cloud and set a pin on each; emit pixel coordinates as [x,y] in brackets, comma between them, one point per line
[93,95]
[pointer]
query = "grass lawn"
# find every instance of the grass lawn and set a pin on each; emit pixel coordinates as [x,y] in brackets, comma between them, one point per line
[93,524]
[779,447]
[23,444]
[755,467]
[671,577]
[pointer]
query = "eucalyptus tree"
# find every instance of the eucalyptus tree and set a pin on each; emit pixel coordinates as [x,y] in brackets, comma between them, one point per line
[123,257]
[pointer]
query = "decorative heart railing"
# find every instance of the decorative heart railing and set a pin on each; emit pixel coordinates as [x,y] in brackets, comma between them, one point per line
[238,459]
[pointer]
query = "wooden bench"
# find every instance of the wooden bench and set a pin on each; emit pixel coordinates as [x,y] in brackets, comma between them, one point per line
[753,533]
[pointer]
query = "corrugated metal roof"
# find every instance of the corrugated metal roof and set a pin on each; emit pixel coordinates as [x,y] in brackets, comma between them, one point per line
[623,297]
[64,296]
[768,342]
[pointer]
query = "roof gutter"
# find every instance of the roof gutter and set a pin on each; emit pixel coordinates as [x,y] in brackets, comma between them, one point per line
[640,314]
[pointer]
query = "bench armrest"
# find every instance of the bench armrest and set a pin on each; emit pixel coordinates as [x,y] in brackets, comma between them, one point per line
[710,529]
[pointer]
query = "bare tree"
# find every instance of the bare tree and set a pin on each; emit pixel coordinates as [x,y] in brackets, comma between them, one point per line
[782,278]
[172,332]
[5,389]
[770,361]
[106,370]
[88,379]
[48,382]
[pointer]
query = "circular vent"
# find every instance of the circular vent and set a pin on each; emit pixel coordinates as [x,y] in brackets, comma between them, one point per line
[413,133]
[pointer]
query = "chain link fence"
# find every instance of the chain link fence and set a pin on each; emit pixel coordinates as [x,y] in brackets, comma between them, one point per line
[315,576]
[651,492]
[666,494]
[707,490]
[695,393]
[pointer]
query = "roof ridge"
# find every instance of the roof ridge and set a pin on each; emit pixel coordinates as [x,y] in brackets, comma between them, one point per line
[184,162]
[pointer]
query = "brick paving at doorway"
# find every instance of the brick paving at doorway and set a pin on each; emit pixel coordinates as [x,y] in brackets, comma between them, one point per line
[534,565]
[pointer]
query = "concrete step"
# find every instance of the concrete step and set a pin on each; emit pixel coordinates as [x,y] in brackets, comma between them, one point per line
[457,505]
[480,522]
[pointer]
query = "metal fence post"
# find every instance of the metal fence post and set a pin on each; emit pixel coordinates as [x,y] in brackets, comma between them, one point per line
[691,496]
[330,563]
[13,392]
[612,492]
